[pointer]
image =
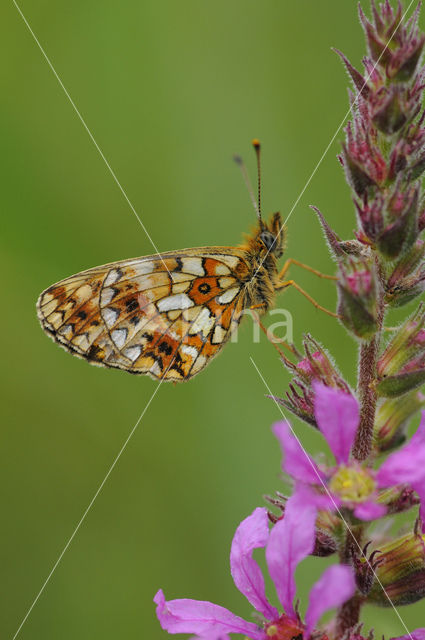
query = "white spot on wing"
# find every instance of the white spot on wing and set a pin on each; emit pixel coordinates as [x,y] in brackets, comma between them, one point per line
[107,295]
[203,322]
[179,301]
[147,266]
[189,351]
[156,369]
[119,337]
[110,315]
[228,295]
[112,277]
[193,265]
[133,352]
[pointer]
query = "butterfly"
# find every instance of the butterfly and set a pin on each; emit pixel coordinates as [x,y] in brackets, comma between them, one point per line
[167,315]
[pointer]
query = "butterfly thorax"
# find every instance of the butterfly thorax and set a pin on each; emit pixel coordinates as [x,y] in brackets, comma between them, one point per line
[260,287]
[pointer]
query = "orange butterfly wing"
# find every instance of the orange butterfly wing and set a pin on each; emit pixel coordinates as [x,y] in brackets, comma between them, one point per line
[165,316]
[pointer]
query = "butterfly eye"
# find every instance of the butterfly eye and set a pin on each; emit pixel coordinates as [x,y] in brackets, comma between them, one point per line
[268,240]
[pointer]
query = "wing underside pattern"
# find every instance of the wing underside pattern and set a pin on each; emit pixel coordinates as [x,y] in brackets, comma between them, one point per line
[165,316]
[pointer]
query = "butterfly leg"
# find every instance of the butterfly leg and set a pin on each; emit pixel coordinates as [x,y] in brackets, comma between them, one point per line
[292,283]
[303,266]
[269,334]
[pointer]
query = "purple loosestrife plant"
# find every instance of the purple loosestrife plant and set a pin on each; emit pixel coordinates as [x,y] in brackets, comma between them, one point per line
[332,505]
[290,541]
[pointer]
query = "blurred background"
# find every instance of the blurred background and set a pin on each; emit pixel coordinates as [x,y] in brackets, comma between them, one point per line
[170,91]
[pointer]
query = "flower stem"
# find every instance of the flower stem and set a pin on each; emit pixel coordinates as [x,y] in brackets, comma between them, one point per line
[349,614]
[369,352]
[367,397]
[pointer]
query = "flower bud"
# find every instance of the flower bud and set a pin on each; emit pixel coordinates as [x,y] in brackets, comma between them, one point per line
[365,567]
[390,223]
[401,368]
[400,287]
[401,230]
[364,165]
[401,572]
[390,113]
[398,61]
[317,365]
[357,303]
[407,290]
[392,419]
[299,400]
[371,218]
[398,499]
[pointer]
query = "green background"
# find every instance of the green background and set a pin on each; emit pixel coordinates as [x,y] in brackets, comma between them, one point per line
[170,90]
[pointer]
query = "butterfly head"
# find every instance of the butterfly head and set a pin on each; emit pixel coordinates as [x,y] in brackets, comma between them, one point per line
[272,235]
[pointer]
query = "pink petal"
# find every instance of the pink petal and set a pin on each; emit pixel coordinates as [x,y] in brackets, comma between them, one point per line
[291,540]
[324,501]
[211,636]
[370,510]
[201,618]
[252,533]
[337,414]
[419,634]
[296,462]
[335,586]
[407,464]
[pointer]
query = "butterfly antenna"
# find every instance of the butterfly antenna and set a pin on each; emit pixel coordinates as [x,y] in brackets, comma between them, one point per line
[257,146]
[247,181]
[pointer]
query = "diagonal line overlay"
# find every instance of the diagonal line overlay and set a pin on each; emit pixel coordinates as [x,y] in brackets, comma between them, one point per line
[322,157]
[83,122]
[92,501]
[338,511]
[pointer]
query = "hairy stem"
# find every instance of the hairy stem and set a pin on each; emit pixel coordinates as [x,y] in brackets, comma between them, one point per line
[367,398]
[369,352]
[349,614]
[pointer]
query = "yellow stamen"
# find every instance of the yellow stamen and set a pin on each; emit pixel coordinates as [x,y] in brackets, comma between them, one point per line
[353,484]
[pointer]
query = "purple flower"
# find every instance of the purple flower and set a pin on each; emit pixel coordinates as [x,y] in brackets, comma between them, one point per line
[349,484]
[407,466]
[289,542]
[419,634]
